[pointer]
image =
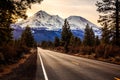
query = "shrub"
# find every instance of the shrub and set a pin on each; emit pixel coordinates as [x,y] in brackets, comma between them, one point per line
[2,58]
[87,50]
[107,51]
[12,51]
[9,52]
[100,50]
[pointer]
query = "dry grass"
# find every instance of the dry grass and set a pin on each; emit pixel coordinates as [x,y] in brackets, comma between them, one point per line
[24,70]
[6,69]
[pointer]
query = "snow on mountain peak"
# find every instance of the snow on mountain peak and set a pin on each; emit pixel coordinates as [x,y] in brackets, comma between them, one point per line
[78,22]
[44,20]
[45,26]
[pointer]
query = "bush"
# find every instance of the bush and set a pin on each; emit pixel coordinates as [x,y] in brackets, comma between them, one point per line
[107,51]
[12,51]
[2,58]
[9,52]
[100,50]
[87,50]
[74,50]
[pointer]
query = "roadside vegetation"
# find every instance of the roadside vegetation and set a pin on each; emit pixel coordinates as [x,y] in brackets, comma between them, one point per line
[105,47]
[11,51]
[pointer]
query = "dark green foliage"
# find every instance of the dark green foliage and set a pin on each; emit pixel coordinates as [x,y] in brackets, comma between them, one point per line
[12,51]
[100,50]
[97,41]
[105,35]
[50,44]
[78,41]
[46,44]
[92,35]
[66,35]
[27,38]
[56,42]
[75,41]
[10,11]
[72,40]
[107,51]
[43,44]
[87,50]
[111,16]
[89,37]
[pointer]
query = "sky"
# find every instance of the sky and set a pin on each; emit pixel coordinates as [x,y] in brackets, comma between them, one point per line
[66,8]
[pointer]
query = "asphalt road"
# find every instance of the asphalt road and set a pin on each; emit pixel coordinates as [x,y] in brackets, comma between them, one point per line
[58,66]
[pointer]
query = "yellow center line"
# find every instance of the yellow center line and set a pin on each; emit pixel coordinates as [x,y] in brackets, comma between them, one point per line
[76,63]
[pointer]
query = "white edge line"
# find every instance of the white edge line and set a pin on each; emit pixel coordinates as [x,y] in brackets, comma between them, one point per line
[43,68]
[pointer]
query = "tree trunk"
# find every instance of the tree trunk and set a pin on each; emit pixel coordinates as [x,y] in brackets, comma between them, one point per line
[117,25]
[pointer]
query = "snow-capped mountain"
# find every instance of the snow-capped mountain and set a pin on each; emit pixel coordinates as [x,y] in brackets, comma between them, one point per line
[45,26]
[43,20]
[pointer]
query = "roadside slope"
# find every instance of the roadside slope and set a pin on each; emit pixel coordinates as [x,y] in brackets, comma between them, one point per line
[25,71]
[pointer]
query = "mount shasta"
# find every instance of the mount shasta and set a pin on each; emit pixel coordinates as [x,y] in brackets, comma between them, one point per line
[46,27]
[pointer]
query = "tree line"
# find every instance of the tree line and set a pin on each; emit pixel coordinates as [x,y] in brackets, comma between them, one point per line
[101,46]
[107,45]
[10,11]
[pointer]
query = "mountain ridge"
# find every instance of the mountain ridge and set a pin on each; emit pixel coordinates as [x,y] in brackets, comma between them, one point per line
[45,26]
[43,18]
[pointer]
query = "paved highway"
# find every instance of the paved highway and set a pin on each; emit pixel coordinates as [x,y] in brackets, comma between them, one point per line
[58,66]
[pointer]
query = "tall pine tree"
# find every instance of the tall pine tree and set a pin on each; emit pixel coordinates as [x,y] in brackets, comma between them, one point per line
[105,35]
[89,37]
[97,41]
[111,16]
[27,38]
[56,42]
[66,35]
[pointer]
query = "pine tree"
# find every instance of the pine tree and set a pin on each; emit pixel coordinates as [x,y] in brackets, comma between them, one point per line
[89,37]
[66,35]
[56,42]
[92,37]
[97,41]
[10,11]
[77,41]
[44,44]
[72,41]
[105,35]
[111,16]
[27,38]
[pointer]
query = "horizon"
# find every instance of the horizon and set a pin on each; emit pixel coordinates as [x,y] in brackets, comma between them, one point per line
[67,8]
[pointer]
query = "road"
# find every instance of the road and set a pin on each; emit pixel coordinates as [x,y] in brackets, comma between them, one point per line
[58,66]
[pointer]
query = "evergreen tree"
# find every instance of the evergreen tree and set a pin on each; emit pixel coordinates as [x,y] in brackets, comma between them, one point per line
[97,41]
[10,11]
[89,37]
[92,37]
[111,16]
[66,35]
[27,38]
[77,41]
[56,42]
[44,44]
[105,35]
[72,41]
[86,36]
